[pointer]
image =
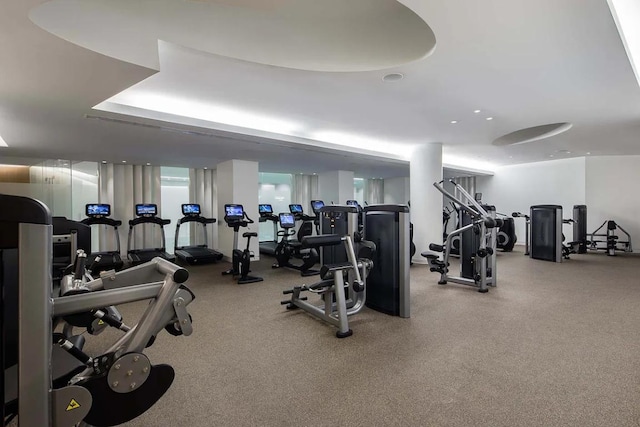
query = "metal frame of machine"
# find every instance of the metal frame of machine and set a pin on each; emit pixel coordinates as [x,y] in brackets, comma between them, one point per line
[484,259]
[39,403]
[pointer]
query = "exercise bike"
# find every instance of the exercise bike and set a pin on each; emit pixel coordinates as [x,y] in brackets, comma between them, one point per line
[288,249]
[236,217]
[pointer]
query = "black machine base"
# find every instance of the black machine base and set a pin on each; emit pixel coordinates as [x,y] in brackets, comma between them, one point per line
[127,405]
[249,279]
[344,334]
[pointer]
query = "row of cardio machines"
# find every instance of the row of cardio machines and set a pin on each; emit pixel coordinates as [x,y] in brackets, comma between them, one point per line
[66,230]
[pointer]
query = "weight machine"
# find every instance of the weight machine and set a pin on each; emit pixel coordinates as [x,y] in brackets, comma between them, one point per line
[478,243]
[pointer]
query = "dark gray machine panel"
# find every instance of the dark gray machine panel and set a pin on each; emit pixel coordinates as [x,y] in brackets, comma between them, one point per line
[388,282]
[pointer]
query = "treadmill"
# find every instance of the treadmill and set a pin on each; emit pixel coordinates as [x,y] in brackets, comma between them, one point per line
[316,205]
[268,247]
[98,214]
[147,214]
[195,254]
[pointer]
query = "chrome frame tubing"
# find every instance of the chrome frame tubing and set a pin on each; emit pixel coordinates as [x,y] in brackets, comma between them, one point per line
[160,312]
[481,266]
[593,244]
[35,341]
[337,313]
[488,239]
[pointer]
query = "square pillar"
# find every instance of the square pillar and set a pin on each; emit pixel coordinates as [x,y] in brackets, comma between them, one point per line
[237,182]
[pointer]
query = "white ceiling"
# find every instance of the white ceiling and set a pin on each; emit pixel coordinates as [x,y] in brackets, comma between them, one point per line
[522,63]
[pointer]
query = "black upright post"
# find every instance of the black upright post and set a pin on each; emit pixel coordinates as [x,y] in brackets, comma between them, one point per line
[580,227]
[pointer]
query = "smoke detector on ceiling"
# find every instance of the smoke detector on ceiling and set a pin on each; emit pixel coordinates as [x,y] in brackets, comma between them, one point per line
[393,77]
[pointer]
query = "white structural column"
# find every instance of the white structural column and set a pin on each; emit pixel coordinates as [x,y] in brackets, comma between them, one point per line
[396,191]
[237,183]
[426,201]
[336,187]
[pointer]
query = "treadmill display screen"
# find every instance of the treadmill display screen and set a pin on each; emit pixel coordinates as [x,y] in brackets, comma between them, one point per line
[147,209]
[94,210]
[265,209]
[234,211]
[295,209]
[316,205]
[352,203]
[287,220]
[191,209]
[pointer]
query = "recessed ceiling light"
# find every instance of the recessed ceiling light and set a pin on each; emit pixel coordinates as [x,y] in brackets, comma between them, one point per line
[588,152]
[568,152]
[315,173]
[477,111]
[489,118]
[393,77]
[124,161]
[148,164]
[104,162]
[453,122]
[550,155]
[205,168]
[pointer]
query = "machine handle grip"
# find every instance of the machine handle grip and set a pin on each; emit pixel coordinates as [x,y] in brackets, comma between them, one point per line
[81,259]
[95,262]
[71,349]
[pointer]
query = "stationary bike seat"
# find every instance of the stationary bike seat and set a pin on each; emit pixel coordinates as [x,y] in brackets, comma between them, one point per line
[250,234]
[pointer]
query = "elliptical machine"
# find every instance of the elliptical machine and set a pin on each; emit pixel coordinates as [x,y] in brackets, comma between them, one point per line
[287,248]
[236,217]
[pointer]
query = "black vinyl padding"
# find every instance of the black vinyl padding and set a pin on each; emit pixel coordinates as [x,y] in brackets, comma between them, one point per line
[324,240]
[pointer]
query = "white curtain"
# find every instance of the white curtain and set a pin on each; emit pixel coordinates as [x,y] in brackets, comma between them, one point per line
[374,191]
[202,190]
[124,186]
[304,189]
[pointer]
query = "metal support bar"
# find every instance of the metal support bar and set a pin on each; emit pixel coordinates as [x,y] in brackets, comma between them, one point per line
[35,341]
[80,303]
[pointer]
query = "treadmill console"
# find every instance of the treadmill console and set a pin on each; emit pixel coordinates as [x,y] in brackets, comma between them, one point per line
[316,205]
[287,220]
[265,210]
[296,209]
[97,210]
[191,209]
[147,210]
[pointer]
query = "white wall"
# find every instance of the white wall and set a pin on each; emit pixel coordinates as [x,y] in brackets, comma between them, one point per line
[516,188]
[612,193]
[397,191]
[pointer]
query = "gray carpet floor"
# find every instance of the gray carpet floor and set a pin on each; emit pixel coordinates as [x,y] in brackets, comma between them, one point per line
[552,345]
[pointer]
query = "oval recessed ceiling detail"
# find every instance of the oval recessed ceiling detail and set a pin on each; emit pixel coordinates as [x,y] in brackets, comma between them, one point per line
[315,35]
[536,133]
